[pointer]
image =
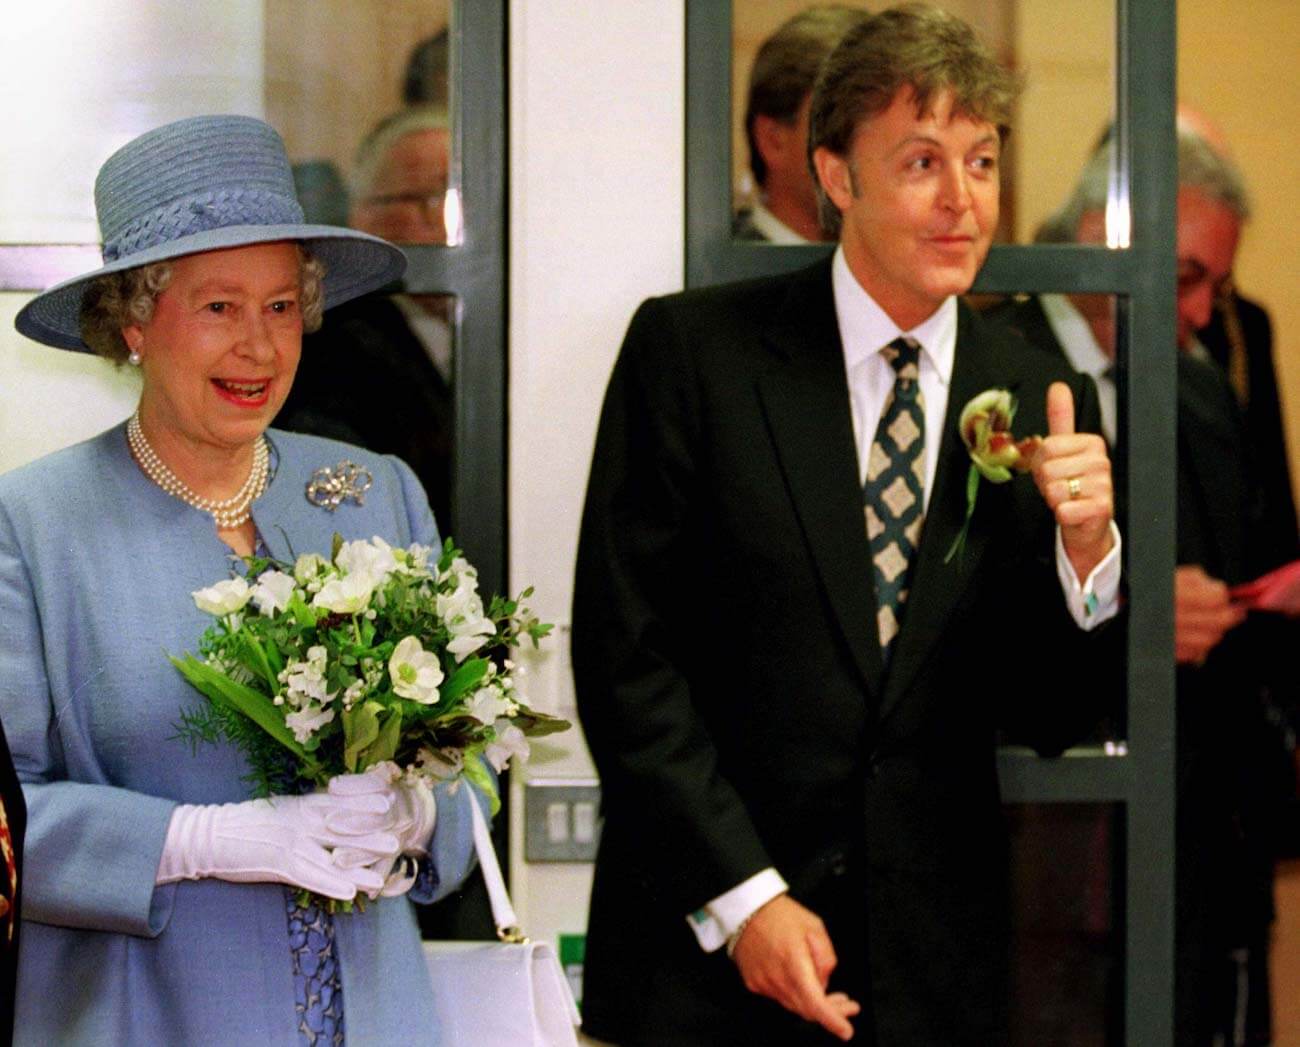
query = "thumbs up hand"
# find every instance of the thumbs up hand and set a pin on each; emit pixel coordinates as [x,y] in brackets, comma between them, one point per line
[1072,471]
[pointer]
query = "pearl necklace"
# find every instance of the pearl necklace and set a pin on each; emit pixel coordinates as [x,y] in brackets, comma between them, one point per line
[229,513]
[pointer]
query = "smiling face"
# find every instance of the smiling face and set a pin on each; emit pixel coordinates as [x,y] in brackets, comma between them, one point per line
[219,355]
[919,200]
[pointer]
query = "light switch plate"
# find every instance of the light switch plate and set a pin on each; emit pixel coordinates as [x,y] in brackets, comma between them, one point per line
[550,803]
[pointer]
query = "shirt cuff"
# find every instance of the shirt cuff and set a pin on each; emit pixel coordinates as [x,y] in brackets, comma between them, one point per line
[720,918]
[1097,599]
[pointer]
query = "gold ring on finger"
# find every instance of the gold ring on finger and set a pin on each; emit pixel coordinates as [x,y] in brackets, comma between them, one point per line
[1074,487]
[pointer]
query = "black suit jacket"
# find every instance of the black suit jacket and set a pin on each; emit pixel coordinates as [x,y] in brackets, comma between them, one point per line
[1274,536]
[731,686]
[367,379]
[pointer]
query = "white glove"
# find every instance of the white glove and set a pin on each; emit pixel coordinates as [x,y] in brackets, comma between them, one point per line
[285,839]
[412,814]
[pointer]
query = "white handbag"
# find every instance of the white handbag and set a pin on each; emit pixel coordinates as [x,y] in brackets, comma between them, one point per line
[510,993]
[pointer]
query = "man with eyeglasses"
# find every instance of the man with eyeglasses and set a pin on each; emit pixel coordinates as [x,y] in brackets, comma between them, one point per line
[1237,334]
[1226,797]
[382,375]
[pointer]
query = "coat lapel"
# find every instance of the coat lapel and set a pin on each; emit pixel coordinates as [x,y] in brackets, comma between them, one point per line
[937,587]
[805,400]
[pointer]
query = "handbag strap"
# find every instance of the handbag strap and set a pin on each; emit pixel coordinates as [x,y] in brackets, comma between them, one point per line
[503,913]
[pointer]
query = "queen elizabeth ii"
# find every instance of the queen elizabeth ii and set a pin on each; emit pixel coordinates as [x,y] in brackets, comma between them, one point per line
[160,902]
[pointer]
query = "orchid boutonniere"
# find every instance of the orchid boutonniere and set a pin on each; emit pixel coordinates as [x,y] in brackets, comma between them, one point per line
[995,453]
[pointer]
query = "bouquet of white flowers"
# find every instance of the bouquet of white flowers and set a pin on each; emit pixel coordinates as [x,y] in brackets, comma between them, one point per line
[372,655]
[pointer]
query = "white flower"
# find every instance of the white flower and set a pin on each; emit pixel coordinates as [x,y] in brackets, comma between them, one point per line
[225,597]
[272,592]
[462,570]
[414,560]
[463,646]
[374,558]
[510,743]
[462,610]
[346,595]
[308,566]
[415,672]
[306,680]
[307,721]
[353,693]
[487,704]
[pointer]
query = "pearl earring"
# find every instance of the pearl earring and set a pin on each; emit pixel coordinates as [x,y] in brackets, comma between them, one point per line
[134,358]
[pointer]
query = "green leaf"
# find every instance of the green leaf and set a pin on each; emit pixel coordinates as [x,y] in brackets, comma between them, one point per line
[360,730]
[302,612]
[467,677]
[276,661]
[476,770]
[336,546]
[972,491]
[253,647]
[244,699]
[384,747]
[538,725]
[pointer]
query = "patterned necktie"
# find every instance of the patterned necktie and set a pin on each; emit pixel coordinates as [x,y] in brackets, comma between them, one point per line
[893,496]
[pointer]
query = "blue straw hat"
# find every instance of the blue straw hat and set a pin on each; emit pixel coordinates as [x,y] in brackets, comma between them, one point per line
[203,184]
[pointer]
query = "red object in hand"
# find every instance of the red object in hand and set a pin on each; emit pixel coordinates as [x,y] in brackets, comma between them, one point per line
[1279,590]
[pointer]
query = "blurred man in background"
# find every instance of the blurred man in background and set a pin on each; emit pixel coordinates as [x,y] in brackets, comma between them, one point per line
[776,126]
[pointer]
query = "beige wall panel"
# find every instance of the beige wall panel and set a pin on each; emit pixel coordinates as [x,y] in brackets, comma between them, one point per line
[1236,63]
[1066,54]
[324,99]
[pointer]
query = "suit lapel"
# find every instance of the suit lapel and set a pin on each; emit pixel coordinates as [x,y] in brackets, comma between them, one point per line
[937,587]
[805,400]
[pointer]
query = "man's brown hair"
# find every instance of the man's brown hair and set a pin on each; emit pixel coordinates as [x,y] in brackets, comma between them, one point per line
[914,46]
[786,66]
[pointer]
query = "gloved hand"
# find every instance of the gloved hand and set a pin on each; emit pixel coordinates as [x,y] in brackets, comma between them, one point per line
[284,839]
[412,814]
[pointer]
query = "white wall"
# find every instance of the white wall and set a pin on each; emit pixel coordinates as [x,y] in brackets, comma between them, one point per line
[79,79]
[597,218]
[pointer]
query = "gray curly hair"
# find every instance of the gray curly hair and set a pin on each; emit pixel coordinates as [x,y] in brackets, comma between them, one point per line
[127,298]
[1200,166]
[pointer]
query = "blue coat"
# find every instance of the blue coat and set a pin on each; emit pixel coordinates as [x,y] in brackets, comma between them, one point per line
[96,569]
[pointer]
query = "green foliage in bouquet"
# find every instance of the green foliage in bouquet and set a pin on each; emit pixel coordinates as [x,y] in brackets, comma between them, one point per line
[326,667]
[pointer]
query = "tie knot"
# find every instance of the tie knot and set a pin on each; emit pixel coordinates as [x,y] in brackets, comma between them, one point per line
[904,356]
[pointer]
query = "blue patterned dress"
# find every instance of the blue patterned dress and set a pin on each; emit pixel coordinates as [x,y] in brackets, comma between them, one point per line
[317,989]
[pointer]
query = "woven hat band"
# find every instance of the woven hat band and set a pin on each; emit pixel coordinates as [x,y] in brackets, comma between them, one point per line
[205,183]
[199,213]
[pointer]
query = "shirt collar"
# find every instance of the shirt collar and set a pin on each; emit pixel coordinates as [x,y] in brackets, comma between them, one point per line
[773,229]
[1075,335]
[865,328]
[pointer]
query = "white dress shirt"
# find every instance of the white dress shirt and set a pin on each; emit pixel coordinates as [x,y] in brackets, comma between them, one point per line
[1085,355]
[866,329]
[773,229]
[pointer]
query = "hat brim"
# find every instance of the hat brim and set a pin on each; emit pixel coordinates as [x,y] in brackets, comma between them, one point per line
[354,262]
